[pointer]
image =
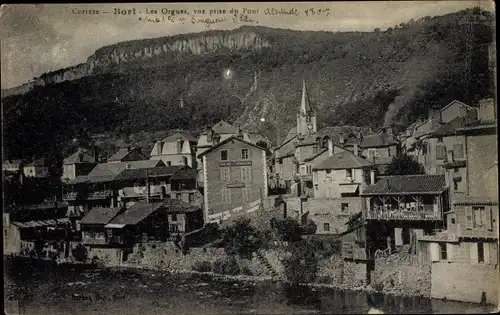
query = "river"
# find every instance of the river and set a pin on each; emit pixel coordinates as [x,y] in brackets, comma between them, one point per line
[43,288]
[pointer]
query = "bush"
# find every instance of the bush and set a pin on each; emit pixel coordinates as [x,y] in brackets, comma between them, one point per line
[246,271]
[80,253]
[202,266]
[288,229]
[309,228]
[241,239]
[228,266]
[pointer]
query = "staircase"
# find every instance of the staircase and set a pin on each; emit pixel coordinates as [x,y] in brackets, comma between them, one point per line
[267,266]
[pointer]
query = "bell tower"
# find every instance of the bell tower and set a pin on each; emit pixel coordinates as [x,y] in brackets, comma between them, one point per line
[306,117]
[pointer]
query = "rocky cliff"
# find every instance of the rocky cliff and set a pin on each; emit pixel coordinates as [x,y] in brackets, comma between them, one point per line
[368,79]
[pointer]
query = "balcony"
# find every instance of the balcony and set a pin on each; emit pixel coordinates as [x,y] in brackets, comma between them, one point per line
[103,194]
[306,177]
[425,213]
[70,196]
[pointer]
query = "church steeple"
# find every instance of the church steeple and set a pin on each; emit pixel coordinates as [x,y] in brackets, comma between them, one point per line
[305,105]
[306,117]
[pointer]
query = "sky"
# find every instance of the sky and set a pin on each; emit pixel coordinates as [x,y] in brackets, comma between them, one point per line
[38,38]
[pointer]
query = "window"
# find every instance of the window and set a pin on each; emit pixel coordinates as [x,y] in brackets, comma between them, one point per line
[246,194]
[225,174]
[371,154]
[455,170]
[478,213]
[246,173]
[455,185]
[389,151]
[226,195]
[315,148]
[468,218]
[444,253]
[174,216]
[178,196]
[440,152]
[191,197]
[309,169]
[326,227]
[174,228]
[344,207]
[223,155]
[169,163]
[244,154]
[348,173]
[458,151]
[452,220]
[480,252]
[440,139]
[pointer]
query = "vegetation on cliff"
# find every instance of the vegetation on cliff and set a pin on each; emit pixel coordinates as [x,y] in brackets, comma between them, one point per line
[355,78]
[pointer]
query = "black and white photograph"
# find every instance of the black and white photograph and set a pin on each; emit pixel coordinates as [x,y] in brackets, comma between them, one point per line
[250,158]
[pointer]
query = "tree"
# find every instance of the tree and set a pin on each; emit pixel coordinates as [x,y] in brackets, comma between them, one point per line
[404,164]
[241,239]
[288,229]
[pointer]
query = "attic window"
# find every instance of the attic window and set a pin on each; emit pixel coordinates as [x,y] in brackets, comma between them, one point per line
[223,155]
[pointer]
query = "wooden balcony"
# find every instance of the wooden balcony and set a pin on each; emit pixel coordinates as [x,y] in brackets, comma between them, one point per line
[103,194]
[425,213]
[70,196]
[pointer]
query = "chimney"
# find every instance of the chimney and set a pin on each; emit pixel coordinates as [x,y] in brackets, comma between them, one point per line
[372,177]
[330,147]
[209,134]
[356,151]
[240,134]
[342,140]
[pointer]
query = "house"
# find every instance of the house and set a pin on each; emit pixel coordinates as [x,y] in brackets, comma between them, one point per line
[98,188]
[11,236]
[380,148]
[235,179]
[79,163]
[176,149]
[354,242]
[184,186]
[13,166]
[145,183]
[158,221]
[399,208]
[93,223]
[38,168]
[127,154]
[419,144]
[465,256]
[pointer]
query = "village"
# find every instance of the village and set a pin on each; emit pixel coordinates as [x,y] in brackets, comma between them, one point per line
[433,232]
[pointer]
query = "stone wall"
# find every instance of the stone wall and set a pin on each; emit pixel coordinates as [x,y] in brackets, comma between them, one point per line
[401,278]
[465,282]
[345,274]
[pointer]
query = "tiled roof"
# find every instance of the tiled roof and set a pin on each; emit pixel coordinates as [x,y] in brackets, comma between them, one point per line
[100,215]
[315,155]
[75,157]
[233,138]
[121,154]
[291,134]
[184,135]
[136,213]
[179,206]
[455,124]
[186,174]
[407,184]
[343,160]
[224,127]
[109,171]
[380,139]
[132,174]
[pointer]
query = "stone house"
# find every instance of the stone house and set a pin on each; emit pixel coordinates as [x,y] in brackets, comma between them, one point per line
[184,186]
[464,258]
[79,163]
[235,178]
[38,168]
[92,225]
[380,148]
[176,149]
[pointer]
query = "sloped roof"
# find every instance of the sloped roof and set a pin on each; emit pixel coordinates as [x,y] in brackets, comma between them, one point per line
[140,173]
[292,133]
[315,155]
[185,174]
[39,162]
[407,184]
[226,141]
[122,153]
[104,172]
[87,157]
[100,215]
[455,125]
[380,139]
[187,136]
[224,127]
[136,213]
[343,160]
[179,206]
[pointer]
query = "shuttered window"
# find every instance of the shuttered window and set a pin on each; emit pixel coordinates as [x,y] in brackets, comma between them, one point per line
[435,251]
[440,152]
[487,219]
[226,195]
[473,253]
[458,151]
[246,194]
[493,253]
[487,253]
[468,218]
[225,174]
